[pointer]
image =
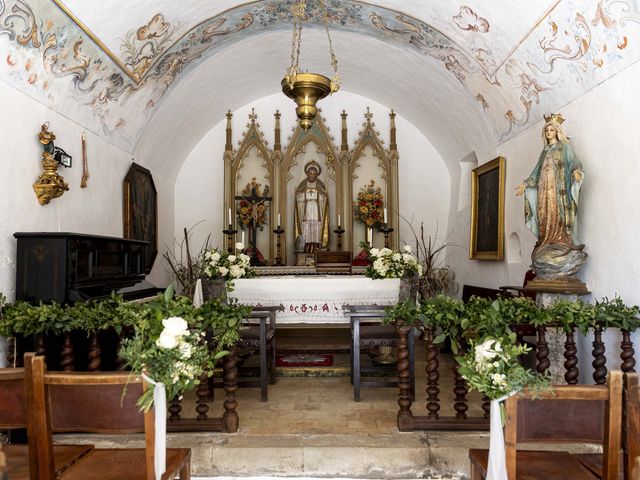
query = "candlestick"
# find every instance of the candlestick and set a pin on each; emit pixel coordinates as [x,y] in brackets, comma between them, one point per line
[230,217]
[385,215]
[230,232]
[386,230]
[278,231]
[339,231]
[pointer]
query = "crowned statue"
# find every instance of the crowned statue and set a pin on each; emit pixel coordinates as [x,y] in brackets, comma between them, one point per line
[551,205]
[311,211]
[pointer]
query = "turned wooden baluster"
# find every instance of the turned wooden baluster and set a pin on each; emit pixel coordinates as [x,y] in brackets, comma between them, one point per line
[95,352]
[121,363]
[41,348]
[460,388]
[175,409]
[67,357]
[230,418]
[11,352]
[202,392]
[542,351]
[627,353]
[571,362]
[404,417]
[599,360]
[431,370]
[486,406]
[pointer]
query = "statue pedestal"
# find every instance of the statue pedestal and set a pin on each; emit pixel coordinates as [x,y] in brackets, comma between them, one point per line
[547,292]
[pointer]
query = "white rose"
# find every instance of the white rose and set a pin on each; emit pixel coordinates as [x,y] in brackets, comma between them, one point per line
[176,326]
[407,248]
[239,246]
[499,379]
[167,340]
[408,258]
[374,252]
[236,271]
[185,349]
[386,251]
[232,258]
[223,271]
[396,257]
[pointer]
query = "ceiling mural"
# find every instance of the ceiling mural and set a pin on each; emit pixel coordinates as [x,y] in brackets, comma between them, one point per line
[110,71]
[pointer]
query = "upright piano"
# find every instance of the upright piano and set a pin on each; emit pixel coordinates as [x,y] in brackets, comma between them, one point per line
[65,267]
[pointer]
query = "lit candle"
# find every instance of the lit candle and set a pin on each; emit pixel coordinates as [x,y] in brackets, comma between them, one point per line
[371,236]
[242,237]
[229,217]
[278,221]
[339,220]
[385,215]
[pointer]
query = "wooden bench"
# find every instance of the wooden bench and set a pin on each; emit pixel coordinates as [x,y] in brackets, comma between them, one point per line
[566,414]
[15,405]
[95,402]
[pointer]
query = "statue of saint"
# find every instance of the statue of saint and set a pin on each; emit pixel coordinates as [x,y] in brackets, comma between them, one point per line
[551,204]
[312,210]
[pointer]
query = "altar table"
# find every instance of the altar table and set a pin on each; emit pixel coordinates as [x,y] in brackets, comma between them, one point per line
[317,299]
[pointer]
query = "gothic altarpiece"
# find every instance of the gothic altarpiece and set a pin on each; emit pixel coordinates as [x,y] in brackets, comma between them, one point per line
[279,171]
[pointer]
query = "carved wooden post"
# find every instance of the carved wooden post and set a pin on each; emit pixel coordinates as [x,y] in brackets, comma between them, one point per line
[230,418]
[11,351]
[570,354]
[41,349]
[405,417]
[627,353]
[542,351]
[431,370]
[175,409]
[202,403]
[95,352]
[67,358]
[599,359]
[460,388]
[486,406]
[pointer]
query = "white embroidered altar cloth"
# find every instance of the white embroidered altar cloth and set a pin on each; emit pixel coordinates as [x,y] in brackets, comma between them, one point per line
[317,299]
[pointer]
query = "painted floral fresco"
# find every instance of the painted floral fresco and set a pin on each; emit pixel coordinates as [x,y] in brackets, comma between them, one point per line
[576,45]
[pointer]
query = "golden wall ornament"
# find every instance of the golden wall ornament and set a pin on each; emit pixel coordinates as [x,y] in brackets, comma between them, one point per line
[50,185]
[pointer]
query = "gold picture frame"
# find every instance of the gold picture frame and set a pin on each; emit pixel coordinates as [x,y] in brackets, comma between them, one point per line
[487,211]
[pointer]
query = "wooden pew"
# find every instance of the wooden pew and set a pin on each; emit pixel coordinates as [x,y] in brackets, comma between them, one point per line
[94,402]
[566,414]
[631,433]
[15,405]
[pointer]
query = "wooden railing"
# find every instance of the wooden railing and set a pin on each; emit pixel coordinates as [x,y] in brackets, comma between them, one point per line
[433,419]
[69,352]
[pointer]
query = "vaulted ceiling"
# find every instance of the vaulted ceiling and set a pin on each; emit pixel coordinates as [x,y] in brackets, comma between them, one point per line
[478,71]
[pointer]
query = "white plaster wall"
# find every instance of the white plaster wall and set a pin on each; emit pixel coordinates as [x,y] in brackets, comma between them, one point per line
[424,178]
[96,209]
[603,128]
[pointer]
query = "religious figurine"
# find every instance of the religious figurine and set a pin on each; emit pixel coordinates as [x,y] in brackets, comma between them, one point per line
[551,204]
[312,211]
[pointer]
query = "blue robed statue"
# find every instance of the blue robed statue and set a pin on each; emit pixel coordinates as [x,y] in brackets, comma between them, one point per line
[551,204]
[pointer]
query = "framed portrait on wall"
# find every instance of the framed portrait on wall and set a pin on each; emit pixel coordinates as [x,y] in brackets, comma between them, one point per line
[140,210]
[487,211]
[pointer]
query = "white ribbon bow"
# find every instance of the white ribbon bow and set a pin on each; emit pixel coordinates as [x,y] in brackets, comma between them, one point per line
[160,410]
[497,466]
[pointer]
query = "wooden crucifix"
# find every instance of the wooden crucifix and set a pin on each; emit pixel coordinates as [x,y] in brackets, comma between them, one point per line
[254,200]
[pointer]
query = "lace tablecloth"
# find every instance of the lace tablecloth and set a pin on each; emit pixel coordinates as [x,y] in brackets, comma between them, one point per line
[317,299]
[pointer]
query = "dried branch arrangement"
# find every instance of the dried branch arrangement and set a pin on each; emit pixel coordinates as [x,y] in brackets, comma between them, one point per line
[186,269]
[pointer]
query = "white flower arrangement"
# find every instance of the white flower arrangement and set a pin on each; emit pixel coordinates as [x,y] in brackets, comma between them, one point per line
[221,264]
[175,357]
[387,263]
[492,368]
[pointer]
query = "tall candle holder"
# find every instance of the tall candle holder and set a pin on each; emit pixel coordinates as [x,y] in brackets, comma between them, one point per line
[339,231]
[386,230]
[231,244]
[279,231]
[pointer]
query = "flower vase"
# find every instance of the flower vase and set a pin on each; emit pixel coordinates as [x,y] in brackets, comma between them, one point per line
[408,288]
[214,289]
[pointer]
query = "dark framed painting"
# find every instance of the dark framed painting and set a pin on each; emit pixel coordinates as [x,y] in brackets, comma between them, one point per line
[487,211]
[140,210]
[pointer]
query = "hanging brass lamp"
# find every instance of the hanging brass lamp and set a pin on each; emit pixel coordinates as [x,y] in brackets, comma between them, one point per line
[307,88]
